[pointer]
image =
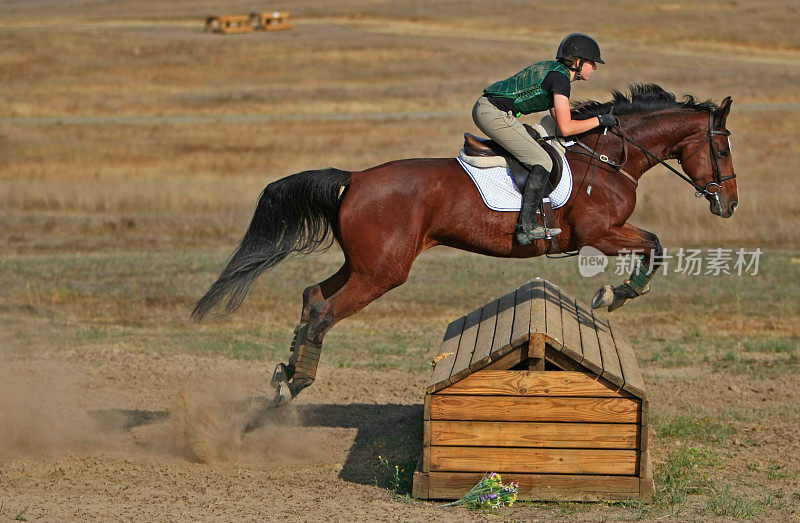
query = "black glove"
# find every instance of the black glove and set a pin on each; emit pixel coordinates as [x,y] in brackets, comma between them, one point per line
[607,120]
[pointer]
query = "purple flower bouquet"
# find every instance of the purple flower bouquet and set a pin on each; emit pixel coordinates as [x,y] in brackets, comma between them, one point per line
[489,493]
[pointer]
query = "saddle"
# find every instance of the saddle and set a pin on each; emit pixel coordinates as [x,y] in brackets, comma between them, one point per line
[483,152]
[476,147]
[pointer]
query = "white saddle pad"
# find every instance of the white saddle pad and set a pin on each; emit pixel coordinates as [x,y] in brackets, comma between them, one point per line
[499,192]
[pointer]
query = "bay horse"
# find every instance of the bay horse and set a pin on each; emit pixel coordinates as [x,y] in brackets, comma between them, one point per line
[385,216]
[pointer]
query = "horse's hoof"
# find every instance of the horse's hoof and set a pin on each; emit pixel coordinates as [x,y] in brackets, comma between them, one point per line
[279,375]
[283,394]
[617,304]
[623,294]
[603,297]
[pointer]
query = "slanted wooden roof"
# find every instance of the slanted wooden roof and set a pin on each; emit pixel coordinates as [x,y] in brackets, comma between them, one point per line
[506,324]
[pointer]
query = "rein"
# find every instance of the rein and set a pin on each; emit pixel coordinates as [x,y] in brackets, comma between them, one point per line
[606,160]
[711,189]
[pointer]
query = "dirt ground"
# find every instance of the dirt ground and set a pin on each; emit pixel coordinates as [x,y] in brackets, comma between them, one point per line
[133,147]
[123,435]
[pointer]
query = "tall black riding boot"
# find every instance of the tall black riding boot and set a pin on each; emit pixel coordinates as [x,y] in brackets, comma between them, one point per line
[528,228]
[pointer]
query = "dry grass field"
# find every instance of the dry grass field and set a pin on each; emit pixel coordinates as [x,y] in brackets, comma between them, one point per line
[133,147]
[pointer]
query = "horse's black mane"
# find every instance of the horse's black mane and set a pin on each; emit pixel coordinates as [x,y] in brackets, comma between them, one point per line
[643,98]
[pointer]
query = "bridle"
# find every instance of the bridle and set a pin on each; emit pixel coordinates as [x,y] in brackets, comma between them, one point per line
[712,188]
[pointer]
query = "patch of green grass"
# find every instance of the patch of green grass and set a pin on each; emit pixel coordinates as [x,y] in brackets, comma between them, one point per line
[240,349]
[683,473]
[378,350]
[397,457]
[399,476]
[789,345]
[92,334]
[690,426]
[695,346]
[780,473]
[726,504]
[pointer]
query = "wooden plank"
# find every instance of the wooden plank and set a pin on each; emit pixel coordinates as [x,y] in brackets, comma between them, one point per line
[552,304]
[647,489]
[427,433]
[608,351]
[534,408]
[634,382]
[520,331]
[443,369]
[566,295]
[427,407]
[533,460]
[538,323]
[483,345]
[466,345]
[511,359]
[536,351]
[562,361]
[645,466]
[421,481]
[643,415]
[421,485]
[568,364]
[514,434]
[528,383]
[501,344]
[589,344]
[540,487]
[644,461]
[426,459]
[571,329]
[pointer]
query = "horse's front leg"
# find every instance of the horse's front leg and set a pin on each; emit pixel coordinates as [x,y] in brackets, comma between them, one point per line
[648,256]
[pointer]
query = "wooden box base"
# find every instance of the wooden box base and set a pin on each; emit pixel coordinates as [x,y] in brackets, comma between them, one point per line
[537,487]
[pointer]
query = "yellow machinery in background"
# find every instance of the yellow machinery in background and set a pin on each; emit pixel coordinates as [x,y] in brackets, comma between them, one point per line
[274,21]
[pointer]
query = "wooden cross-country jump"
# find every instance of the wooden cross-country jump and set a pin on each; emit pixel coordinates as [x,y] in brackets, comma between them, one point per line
[542,389]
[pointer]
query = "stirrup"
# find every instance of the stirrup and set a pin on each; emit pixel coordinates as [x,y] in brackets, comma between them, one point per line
[537,233]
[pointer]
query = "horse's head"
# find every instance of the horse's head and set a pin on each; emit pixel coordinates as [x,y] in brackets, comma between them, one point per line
[706,159]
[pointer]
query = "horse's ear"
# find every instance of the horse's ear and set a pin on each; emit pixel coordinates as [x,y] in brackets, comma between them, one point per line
[722,114]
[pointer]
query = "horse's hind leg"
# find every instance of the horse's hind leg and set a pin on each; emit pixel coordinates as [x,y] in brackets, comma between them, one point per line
[355,294]
[317,293]
[312,295]
[323,290]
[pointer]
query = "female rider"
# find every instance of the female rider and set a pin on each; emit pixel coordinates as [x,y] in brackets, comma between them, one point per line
[539,87]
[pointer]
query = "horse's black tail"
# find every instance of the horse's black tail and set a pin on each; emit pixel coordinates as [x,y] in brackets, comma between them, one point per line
[294,216]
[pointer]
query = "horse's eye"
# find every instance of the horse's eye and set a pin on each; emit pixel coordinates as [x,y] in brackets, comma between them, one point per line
[724,154]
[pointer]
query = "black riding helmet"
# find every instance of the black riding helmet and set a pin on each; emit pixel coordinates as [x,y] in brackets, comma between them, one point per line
[579,45]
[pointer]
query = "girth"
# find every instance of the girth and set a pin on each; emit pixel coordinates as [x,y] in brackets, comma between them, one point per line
[483,147]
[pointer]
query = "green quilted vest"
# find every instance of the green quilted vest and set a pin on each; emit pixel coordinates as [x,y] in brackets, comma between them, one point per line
[525,87]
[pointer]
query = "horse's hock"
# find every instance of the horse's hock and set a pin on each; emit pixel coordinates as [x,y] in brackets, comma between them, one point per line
[545,391]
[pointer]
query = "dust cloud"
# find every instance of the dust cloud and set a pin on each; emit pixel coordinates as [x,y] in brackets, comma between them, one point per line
[39,414]
[210,428]
[49,409]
